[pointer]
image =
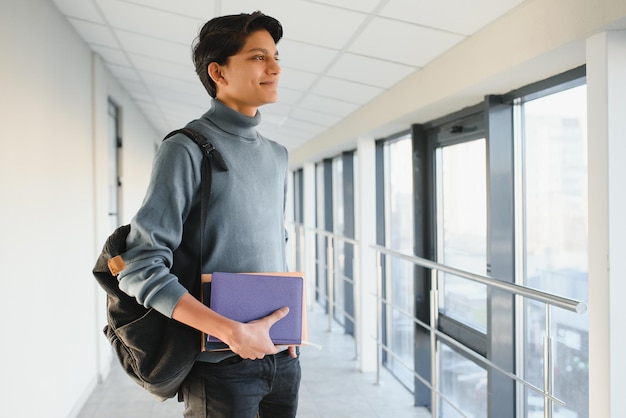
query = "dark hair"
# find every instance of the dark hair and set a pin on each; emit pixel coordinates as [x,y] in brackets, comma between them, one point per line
[224,36]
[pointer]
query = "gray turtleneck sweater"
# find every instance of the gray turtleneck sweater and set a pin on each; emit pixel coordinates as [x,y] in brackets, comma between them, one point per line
[245,224]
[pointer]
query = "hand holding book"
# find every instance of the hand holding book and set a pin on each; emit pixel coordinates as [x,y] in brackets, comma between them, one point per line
[252,340]
[250,298]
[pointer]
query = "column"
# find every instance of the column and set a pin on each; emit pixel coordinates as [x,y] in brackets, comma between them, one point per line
[366,234]
[606,107]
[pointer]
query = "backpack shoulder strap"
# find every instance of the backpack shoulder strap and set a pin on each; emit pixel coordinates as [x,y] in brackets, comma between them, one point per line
[211,154]
[207,148]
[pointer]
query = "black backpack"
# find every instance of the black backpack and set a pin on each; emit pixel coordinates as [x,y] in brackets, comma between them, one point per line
[156,351]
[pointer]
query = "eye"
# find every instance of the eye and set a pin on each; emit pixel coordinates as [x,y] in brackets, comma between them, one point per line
[259,57]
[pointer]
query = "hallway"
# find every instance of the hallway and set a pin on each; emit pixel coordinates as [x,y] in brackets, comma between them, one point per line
[332,386]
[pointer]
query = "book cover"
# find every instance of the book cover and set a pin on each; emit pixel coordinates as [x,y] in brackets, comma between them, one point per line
[245,297]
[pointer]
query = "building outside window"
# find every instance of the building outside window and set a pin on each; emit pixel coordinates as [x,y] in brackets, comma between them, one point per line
[399,287]
[555,251]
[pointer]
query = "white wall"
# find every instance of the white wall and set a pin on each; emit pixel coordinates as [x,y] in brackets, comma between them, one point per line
[139,143]
[606,79]
[52,114]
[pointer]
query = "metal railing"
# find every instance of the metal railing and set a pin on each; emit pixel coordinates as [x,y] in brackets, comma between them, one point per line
[549,300]
[334,276]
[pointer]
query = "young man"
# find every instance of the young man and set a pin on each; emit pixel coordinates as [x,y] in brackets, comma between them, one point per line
[237,61]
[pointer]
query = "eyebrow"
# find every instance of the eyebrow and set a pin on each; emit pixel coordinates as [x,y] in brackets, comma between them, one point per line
[263,50]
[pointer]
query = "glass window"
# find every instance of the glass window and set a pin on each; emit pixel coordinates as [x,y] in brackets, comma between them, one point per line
[463,384]
[555,245]
[298,196]
[462,229]
[321,293]
[338,228]
[399,232]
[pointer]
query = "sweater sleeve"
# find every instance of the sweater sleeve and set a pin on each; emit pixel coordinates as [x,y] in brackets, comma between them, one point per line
[156,230]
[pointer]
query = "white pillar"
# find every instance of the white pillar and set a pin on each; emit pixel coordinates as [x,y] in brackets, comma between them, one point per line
[309,236]
[606,107]
[366,235]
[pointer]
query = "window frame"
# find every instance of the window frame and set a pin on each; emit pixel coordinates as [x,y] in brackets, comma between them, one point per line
[573,78]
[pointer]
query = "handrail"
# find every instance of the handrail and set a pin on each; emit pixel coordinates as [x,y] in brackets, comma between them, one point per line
[569,304]
[550,300]
[518,290]
[528,292]
[332,234]
[330,268]
[464,349]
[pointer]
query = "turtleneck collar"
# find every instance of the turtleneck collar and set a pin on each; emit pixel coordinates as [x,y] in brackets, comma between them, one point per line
[233,122]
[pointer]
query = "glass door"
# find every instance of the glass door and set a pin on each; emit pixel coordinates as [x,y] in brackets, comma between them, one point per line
[461,211]
[462,229]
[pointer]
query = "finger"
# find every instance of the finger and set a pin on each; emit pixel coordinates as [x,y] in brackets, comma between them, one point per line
[277,315]
[292,351]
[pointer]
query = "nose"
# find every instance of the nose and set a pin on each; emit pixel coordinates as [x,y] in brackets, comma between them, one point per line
[274,66]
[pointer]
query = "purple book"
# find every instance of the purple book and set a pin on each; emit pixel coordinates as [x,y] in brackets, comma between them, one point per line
[246,297]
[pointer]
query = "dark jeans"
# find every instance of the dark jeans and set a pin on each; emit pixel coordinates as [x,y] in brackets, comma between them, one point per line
[237,388]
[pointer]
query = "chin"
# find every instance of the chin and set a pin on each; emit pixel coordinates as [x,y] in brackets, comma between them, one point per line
[271,100]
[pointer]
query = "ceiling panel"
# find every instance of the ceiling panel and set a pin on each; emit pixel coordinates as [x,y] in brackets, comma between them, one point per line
[314,117]
[181,88]
[156,48]
[112,55]
[338,108]
[336,55]
[152,22]
[302,126]
[404,43]
[83,10]
[371,71]
[462,17]
[346,90]
[124,73]
[137,89]
[178,97]
[188,8]
[165,68]
[288,96]
[95,33]
[181,110]
[365,6]
[273,117]
[301,56]
[297,80]
[306,21]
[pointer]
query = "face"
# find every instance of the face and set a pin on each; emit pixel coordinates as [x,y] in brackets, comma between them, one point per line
[250,78]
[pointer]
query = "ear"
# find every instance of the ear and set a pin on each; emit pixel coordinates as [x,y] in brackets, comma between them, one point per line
[215,72]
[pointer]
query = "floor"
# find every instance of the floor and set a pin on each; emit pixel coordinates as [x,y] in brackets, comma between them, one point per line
[332,386]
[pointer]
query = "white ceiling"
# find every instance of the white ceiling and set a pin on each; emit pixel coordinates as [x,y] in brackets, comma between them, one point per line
[336,55]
